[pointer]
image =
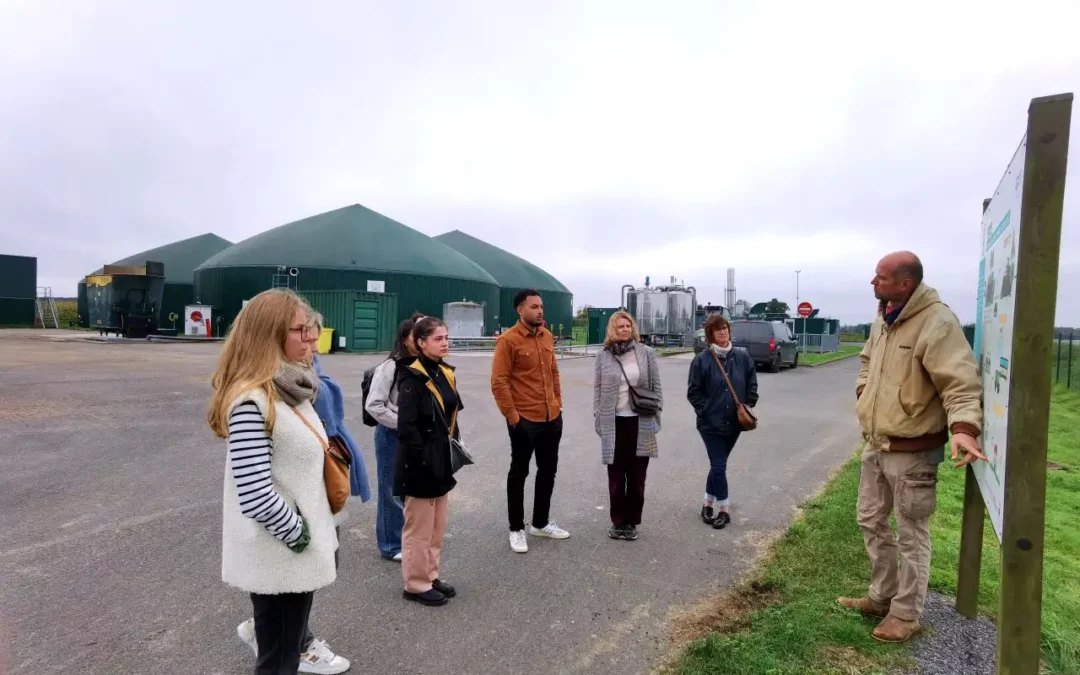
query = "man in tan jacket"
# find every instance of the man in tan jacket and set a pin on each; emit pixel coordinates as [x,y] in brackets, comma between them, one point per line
[526,387]
[918,382]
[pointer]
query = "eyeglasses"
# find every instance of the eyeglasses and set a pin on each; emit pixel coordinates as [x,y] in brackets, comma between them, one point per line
[307,332]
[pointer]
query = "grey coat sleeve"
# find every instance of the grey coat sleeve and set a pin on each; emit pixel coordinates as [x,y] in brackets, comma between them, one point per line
[379,404]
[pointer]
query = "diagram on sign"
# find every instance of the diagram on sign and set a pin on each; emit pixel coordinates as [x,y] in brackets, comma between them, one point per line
[994,331]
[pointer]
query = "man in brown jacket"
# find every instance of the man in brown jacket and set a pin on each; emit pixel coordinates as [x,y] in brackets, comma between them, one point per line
[525,383]
[918,382]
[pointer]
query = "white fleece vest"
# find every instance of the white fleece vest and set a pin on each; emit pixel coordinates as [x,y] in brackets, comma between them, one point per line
[252,559]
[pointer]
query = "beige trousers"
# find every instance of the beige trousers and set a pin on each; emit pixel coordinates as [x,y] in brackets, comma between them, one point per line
[904,483]
[422,542]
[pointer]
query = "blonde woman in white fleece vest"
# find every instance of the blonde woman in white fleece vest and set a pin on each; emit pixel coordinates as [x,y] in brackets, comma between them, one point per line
[278,538]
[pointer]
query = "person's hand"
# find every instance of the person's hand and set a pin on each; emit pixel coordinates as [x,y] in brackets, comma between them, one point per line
[970,447]
[300,544]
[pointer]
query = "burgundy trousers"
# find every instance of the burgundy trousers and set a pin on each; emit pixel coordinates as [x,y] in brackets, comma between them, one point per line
[626,475]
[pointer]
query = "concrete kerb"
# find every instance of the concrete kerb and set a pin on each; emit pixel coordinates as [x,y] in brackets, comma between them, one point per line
[828,363]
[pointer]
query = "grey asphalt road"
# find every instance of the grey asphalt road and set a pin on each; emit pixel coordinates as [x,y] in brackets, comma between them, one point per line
[110,508]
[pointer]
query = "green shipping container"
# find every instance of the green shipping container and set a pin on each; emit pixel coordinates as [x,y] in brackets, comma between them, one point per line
[18,277]
[366,322]
[598,322]
[17,312]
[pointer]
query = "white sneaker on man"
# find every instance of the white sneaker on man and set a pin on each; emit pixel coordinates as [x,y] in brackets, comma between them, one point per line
[246,633]
[320,660]
[550,531]
[517,541]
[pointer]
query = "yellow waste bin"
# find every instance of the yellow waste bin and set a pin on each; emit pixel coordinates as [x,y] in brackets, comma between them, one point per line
[326,340]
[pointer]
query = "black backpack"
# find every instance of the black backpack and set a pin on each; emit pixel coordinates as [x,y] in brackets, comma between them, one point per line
[365,387]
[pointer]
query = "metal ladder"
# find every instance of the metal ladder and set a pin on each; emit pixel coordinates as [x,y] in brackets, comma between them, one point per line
[46,307]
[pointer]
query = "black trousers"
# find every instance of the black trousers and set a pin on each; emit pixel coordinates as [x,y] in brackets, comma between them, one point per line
[526,439]
[280,624]
[309,634]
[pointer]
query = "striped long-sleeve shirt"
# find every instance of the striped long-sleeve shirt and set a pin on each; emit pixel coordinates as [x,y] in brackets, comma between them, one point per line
[251,451]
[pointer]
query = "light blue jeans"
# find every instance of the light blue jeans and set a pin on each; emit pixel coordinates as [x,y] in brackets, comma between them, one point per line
[390,514]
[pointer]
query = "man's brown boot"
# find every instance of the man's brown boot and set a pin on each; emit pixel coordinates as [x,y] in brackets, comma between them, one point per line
[866,606]
[894,629]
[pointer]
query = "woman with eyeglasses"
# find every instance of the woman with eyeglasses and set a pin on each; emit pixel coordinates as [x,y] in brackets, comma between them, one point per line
[317,657]
[716,409]
[278,535]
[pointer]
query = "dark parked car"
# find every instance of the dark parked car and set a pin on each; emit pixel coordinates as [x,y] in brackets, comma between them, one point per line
[770,343]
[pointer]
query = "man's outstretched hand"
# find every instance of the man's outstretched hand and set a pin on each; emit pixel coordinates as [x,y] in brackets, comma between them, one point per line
[970,447]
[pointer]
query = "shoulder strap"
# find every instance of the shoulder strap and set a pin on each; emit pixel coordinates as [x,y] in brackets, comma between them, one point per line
[726,378]
[618,362]
[323,443]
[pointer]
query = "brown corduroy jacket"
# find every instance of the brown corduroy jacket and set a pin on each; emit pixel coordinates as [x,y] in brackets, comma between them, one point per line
[525,375]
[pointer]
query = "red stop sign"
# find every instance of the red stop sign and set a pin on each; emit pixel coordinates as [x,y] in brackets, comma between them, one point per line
[196,316]
[805,309]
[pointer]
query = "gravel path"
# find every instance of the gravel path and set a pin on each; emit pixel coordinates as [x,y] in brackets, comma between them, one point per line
[952,644]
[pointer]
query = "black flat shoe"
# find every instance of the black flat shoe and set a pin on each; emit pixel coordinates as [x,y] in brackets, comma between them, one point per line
[431,598]
[444,588]
[721,520]
[707,515]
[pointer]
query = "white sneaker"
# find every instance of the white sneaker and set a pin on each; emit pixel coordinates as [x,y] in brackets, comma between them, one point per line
[551,531]
[320,660]
[397,557]
[246,632]
[517,541]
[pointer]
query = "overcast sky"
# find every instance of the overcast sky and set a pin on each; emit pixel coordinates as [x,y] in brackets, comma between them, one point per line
[603,141]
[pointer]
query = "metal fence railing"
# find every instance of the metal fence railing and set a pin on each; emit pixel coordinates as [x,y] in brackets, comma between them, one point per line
[818,344]
[1065,366]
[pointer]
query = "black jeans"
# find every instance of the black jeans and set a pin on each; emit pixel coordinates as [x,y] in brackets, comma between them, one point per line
[527,438]
[280,623]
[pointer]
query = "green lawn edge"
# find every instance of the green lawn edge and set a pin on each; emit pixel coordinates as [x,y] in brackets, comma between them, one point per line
[820,556]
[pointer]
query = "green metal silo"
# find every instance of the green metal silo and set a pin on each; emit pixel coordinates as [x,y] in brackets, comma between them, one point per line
[513,274]
[348,249]
[180,259]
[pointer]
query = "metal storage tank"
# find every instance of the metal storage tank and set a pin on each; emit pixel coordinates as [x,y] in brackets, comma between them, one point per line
[351,248]
[681,312]
[18,290]
[649,309]
[513,273]
[180,259]
[464,319]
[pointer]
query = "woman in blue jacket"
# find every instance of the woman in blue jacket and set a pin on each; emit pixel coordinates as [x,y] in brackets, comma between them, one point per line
[717,414]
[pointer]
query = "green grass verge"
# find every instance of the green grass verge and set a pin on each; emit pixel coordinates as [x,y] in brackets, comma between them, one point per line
[810,359]
[821,556]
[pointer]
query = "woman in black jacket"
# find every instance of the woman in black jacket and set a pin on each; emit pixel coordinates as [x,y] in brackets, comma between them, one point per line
[717,414]
[428,405]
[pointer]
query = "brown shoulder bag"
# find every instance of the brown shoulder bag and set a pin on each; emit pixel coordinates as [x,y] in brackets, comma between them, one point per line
[746,418]
[336,463]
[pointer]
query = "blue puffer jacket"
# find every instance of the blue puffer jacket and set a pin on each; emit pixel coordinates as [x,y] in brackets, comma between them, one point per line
[709,394]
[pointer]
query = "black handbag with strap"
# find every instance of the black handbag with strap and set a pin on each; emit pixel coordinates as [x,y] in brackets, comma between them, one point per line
[643,401]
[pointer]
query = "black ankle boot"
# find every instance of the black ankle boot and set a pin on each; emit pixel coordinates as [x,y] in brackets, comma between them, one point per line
[707,514]
[722,519]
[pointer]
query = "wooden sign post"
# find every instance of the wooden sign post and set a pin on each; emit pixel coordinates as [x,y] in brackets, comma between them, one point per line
[1014,333]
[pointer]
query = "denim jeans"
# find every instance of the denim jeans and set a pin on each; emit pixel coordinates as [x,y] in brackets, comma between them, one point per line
[390,515]
[719,449]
